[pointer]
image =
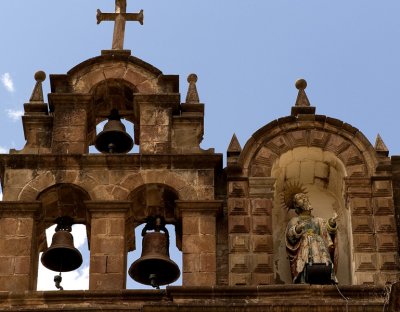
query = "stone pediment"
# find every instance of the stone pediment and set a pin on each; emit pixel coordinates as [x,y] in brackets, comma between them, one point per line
[114,65]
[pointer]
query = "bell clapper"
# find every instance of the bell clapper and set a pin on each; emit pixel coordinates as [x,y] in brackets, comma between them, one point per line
[57,280]
[153,281]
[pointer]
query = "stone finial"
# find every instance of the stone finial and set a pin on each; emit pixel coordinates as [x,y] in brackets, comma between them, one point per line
[302,105]
[234,147]
[192,96]
[302,99]
[380,146]
[37,94]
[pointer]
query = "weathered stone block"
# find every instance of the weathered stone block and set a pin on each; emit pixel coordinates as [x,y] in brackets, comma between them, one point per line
[110,281]
[363,224]
[261,206]
[115,264]
[240,263]
[238,206]
[8,226]
[207,225]
[22,265]
[98,264]
[262,243]
[262,279]
[191,263]
[262,263]
[208,262]
[198,243]
[238,224]
[239,243]
[206,177]
[107,245]
[386,242]
[293,171]
[191,225]
[383,206]
[382,187]
[364,278]
[385,224]
[361,206]
[238,188]
[262,225]
[321,170]
[15,246]
[116,226]
[365,261]
[364,242]
[17,283]
[199,279]
[69,134]
[307,170]
[99,226]
[388,261]
[6,265]
[239,279]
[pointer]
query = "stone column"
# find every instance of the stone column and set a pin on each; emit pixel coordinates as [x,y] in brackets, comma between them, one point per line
[70,123]
[108,249]
[18,246]
[250,231]
[199,241]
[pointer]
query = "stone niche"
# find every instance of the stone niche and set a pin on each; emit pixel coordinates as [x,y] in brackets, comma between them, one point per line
[322,174]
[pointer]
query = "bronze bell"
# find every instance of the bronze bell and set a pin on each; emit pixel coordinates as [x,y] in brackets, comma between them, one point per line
[62,256]
[154,267]
[114,138]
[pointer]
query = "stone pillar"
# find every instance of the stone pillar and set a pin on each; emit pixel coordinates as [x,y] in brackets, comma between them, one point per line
[18,246]
[70,123]
[108,250]
[199,241]
[155,120]
[250,231]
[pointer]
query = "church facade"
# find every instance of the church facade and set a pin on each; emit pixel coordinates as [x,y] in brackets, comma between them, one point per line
[229,222]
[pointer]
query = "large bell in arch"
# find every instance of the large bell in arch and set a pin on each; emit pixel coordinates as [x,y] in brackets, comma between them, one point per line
[155,267]
[62,256]
[114,138]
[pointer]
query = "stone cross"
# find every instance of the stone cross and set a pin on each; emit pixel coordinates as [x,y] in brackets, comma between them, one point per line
[120,17]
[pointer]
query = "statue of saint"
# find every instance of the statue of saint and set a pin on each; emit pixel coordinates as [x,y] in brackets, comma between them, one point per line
[310,243]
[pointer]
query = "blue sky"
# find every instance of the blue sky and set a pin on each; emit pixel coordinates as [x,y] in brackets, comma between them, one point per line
[247,55]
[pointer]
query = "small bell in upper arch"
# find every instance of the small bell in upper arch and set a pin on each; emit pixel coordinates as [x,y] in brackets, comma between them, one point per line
[114,138]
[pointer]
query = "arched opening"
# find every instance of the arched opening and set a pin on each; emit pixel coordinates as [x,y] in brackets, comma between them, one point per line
[148,201]
[74,280]
[109,95]
[322,174]
[62,200]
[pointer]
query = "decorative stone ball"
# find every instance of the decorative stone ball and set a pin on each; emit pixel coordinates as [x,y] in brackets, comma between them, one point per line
[192,78]
[40,76]
[301,84]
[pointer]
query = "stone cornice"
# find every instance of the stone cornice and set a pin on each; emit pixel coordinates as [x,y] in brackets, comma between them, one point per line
[218,298]
[125,161]
[211,207]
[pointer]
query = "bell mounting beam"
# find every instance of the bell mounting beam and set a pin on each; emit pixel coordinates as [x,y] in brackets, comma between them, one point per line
[120,17]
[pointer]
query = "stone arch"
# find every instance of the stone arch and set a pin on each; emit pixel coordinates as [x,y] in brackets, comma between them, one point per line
[175,181]
[346,142]
[154,199]
[330,143]
[142,75]
[48,179]
[64,199]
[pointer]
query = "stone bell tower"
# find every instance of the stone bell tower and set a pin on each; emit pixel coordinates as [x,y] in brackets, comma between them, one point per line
[149,168]
[111,193]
